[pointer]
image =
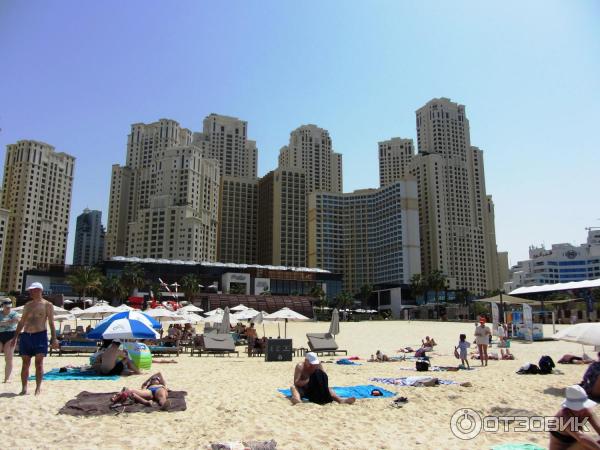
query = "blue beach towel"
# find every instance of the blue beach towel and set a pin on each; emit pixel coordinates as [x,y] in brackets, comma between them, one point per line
[347,362]
[359,392]
[75,374]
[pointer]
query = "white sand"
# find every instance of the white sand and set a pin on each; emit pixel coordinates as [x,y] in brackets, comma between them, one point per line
[236,398]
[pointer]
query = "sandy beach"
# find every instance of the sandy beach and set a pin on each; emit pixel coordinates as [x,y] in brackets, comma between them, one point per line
[234,399]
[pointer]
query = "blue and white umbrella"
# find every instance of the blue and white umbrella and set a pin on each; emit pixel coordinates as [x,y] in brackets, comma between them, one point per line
[126,325]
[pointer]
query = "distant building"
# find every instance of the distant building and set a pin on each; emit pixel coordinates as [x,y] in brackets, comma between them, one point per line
[37,188]
[310,149]
[503,269]
[371,236]
[454,209]
[561,264]
[164,202]
[395,157]
[89,238]
[281,218]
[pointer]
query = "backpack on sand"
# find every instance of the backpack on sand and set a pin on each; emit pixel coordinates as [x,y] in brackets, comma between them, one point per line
[546,365]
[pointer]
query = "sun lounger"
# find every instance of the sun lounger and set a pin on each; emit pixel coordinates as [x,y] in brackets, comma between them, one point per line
[161,349]
[76,347]
[323,344]
[214,344]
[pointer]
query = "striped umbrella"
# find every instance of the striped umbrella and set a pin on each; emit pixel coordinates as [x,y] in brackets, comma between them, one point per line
[126,325]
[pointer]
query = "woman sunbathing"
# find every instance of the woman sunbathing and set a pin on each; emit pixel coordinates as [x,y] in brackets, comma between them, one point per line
[153,389]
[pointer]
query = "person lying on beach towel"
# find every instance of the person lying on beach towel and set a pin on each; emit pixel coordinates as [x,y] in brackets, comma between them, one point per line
[379,357]
[153,389]
[311,382]
[405,350]
[572,359]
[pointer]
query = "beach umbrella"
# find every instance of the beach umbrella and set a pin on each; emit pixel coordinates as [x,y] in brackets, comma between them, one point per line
[189,317]
[239,307]
[163,314]
[246,314]
[96,312]
[225,322]
[123,307]
[126,325]
[214,311]
[258,319]
[334,327]
[190,308]
[286,314]
[75,310]
[581,333]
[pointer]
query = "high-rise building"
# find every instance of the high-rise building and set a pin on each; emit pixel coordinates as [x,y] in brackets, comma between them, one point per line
[282,218]
[225,139]
[453,205]
[164,202]
[310,149]
[238,211]
[37,190]
[89,238]
[371,236]
[395,157]
[503,269]
[4,214]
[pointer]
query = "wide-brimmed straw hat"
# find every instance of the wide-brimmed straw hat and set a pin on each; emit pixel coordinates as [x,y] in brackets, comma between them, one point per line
[576,398]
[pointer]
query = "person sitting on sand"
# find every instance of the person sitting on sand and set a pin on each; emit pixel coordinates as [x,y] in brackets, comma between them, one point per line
[153,389]
[379,357]
[428,343]
[576,410]
[573,359]
[113,361]
[311,382]
[591,380]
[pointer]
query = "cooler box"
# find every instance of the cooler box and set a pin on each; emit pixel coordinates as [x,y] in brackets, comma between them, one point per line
[139,354]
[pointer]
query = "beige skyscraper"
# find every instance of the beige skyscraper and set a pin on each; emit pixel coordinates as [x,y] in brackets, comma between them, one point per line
[282,218]
[164,203]
[454,212]
[310,149]
[225,139]
[395,157]
[371,236]
[37,188]
[238,212]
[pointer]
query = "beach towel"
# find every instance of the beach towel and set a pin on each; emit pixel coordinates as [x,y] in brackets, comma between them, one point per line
[409,381]
[525,446]
[347,362]
[98,404]
[359,392]
[440,369]
[75,373]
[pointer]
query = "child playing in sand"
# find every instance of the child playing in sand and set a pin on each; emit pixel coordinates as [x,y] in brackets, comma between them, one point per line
[463,345]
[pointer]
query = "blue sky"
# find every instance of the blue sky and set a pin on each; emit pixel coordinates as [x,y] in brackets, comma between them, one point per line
[77,74]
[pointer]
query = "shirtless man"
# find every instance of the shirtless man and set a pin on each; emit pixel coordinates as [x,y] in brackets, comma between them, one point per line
[114,361]
[310,381]
[33,342]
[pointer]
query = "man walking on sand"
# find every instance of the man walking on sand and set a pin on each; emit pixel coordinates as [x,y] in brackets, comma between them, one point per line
[33,341]
[310,381]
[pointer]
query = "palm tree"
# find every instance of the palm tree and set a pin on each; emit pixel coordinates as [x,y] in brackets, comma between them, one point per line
[364,293]
[133,277]
[344,300]
[112,289]
[190,286]
[418,286]
[237,288]
[85,280]
[437,282]
[155,288]
[318,293]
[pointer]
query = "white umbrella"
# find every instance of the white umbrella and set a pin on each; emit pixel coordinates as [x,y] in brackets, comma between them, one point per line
[246,314]
[334,327]
[75,310]
[582,333]
[190,308]
[218,318]
[258,319]
[96,312]
[189,317]
[214,311]
[286,314]
[163,314]
[225,322]
[239,307]
[123,307]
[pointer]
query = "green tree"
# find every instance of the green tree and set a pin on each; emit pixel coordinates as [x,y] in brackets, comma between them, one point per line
[85,280]
[156,289]
[112,289]
[418,285]
[437,282]
[318,293]
[364,293]
[237,288]
[133,277]
[190,285]
[344,300]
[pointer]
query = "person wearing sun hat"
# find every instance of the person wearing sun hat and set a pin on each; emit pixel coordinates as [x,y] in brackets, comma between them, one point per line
[311,382]
[576,406]
[482,339]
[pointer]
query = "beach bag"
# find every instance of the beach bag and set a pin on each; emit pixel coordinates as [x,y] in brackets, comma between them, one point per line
[546,364]
[529,369]
[422,365]
[456,355]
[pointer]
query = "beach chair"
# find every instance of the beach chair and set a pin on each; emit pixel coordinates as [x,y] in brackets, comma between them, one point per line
[66,329]
[214,344]
[323,344]
[161,349]
[80,330]
[76,347]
